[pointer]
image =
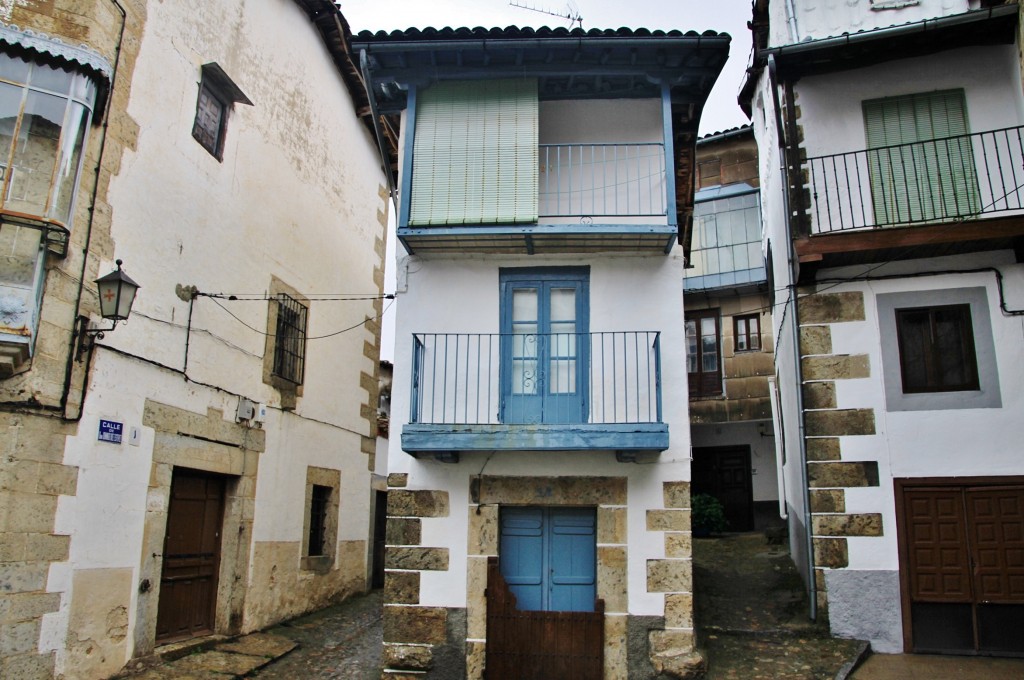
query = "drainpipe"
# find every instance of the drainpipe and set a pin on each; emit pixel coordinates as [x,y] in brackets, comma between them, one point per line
[794,32]
[802,461]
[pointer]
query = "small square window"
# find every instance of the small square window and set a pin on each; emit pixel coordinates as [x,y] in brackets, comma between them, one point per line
[936,346]
[319,502]
[747,332]
[290,339]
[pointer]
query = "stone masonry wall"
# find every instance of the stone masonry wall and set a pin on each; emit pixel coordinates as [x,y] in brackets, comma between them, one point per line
[826,424]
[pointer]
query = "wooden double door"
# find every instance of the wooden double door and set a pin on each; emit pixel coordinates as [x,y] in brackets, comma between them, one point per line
[191,558]
[962,567]
[725,473]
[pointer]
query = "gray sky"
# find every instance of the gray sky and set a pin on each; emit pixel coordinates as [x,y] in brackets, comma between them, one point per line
[724,16]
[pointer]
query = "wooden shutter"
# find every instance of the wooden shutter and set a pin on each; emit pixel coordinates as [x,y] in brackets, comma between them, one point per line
[930,176]
[475,153]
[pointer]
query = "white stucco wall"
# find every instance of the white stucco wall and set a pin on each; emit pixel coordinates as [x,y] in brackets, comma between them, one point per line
[816,19]
[461,294]
[296,197]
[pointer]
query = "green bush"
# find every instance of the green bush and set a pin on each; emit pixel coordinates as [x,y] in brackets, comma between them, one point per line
[707,516]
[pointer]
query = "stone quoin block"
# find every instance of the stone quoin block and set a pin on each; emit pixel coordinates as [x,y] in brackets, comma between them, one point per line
[844,474]
[403,531]
[612,578]
[668,520]
[679,610]
[676,494]
[398,479]
[836,367]
[854,421]
[611,525]
[862,524]
[678,544]
[831,308]
[423,559]
[402,587]
[815,340]
[421,503]
[553,490]
[828,500]
[819,395]
[822,448]
[408,657]
[422,625]
[669,576]
[831,552]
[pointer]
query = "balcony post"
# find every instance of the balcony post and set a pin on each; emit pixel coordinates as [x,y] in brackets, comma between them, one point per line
[657,372]
[670,166]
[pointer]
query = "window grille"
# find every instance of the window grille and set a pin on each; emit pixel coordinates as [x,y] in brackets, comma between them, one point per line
[318,503]
[290,339]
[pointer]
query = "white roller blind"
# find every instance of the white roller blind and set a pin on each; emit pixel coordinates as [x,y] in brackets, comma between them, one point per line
[475,153]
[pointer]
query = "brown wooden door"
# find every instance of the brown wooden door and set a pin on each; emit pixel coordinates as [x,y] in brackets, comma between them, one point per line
[964,555]
[188,584]
[724,472]
[539,645]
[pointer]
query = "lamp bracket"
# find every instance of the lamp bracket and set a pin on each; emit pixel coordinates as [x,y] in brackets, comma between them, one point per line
[87,337]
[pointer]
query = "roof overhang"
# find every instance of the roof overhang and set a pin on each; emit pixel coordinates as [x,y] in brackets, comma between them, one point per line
[991,26]
[569,64]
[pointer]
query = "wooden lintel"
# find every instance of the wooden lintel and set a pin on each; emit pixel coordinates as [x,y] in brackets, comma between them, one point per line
[819,245]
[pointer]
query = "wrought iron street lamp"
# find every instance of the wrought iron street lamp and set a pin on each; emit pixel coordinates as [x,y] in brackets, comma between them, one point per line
[117,293]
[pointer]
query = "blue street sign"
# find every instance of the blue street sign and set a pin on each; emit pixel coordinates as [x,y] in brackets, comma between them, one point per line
[111,431]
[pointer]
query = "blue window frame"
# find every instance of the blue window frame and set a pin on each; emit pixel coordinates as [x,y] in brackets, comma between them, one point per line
[545,344]
[548,557]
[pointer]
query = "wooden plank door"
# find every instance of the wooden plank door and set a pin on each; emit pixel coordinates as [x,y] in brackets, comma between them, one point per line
[188,583]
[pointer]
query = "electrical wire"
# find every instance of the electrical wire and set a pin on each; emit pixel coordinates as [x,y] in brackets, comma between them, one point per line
[316,337]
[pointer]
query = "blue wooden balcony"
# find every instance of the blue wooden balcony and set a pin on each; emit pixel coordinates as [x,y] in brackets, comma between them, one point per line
[590,197]
[523,391]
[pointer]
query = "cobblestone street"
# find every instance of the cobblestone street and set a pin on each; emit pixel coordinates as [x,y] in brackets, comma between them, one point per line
[343,641]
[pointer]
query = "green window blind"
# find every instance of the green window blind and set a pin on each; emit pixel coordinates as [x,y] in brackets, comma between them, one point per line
[475,153]
[920,158]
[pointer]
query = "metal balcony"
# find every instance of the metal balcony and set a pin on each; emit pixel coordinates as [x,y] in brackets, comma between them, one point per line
[559,391]
[956,178]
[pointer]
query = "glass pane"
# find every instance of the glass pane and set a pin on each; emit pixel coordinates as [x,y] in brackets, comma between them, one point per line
[524,377]
[707,327]
[69,163]
[914,336]
[562,376]
[563,304]
[691,346]
[524,341]
[10,107]
[524,304]
[20,256]
[954,357]
[84,89]
[49,78]
[35,153]
[739,254]
[709,357]
[14,69]
[563,340]
[741,334]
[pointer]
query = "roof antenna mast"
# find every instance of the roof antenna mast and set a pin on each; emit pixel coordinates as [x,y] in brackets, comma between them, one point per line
[571,12]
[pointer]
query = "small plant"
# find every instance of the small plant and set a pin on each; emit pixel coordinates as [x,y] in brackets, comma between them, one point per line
[707,516]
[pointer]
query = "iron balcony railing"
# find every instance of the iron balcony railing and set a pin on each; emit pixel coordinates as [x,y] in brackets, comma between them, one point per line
[602,180]
[951,178]
[530,378]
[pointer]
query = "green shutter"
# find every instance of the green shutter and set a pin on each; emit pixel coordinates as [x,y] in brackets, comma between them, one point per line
[916,173]
[475,153]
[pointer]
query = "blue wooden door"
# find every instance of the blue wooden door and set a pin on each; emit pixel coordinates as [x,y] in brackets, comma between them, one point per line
[545,343]
[548,557]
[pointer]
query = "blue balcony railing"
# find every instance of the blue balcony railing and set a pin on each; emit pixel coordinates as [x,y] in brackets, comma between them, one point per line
[952,178]
[602,180]
[543,379]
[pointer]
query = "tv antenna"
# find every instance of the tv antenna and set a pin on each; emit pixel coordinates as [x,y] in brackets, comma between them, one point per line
[571,12]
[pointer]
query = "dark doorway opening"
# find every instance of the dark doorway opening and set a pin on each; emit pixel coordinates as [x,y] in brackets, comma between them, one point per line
[724,472]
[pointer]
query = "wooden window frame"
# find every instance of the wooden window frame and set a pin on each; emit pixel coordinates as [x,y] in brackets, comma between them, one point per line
[701,383]
[934,356]
[217,85]
[747,335]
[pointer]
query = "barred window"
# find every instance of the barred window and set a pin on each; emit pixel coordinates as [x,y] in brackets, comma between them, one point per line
[318,504]
[290,339]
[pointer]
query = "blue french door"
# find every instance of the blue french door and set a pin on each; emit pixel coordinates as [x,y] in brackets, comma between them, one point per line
[548,557]
[545,344]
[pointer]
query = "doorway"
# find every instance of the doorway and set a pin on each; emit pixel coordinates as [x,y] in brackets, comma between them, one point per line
[191,557]
[962,566]
[724,472]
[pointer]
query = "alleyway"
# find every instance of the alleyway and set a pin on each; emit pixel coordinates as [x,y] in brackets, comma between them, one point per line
[343,641]
[751,614]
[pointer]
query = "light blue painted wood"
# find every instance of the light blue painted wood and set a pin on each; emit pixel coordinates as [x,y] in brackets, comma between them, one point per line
[553,346]
[407,154]
[418,438]
[670,161]
[548,557]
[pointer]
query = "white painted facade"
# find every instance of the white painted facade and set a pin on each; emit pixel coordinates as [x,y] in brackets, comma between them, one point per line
[297,197]
[943,438]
